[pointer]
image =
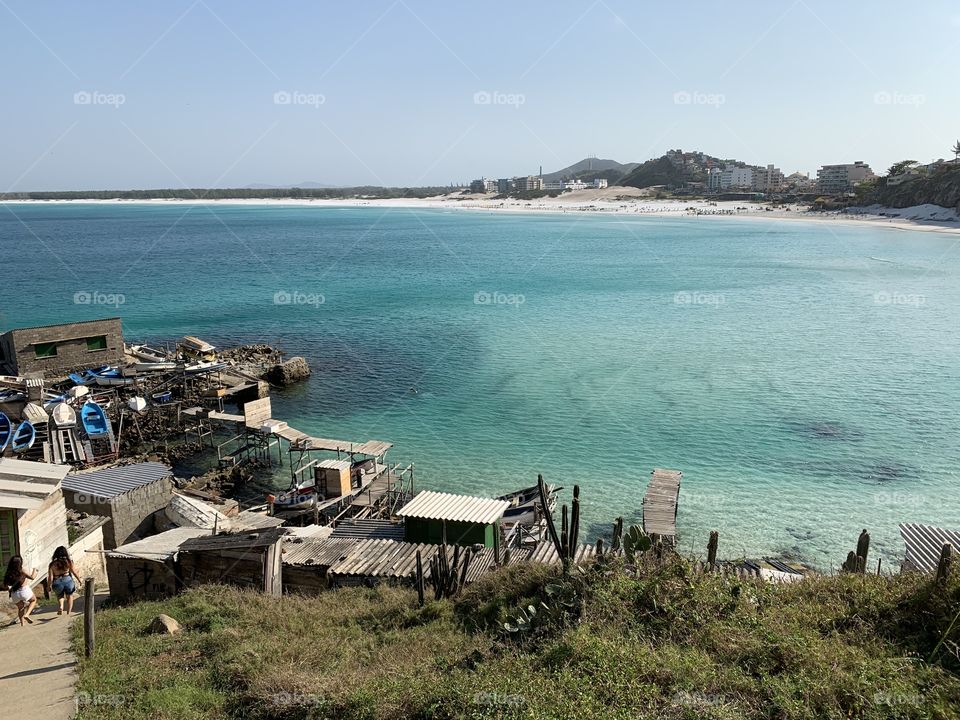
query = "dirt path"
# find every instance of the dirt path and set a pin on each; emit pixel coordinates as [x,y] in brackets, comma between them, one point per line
[37,666]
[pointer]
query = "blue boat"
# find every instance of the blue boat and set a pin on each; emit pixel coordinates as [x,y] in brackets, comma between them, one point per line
[81,378]
[164,396]
[94,420]
[23,437]
[6,431]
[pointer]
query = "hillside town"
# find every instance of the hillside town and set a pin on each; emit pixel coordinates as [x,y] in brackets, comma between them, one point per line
[697,173]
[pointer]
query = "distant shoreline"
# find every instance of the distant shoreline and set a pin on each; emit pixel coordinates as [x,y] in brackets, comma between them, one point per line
[606,203]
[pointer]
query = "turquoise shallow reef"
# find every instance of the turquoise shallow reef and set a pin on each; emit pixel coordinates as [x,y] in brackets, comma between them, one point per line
[804,376]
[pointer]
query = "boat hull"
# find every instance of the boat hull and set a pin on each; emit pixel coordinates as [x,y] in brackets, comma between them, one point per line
[94,420]
[23,437]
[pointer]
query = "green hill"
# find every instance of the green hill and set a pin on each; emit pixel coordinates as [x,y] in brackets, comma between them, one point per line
[940,187]
[606,645]
[659,171]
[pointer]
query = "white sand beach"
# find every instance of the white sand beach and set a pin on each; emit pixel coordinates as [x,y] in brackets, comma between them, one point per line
[620,201]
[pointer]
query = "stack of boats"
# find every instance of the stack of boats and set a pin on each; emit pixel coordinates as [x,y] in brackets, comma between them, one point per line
[61,436]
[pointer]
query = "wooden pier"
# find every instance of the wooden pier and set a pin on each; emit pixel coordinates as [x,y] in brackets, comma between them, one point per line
[660,506]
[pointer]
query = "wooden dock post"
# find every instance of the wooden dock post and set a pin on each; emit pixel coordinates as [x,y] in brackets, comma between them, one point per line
[273,570]
[943,567]
[419,578]
[712,549]
[88,628]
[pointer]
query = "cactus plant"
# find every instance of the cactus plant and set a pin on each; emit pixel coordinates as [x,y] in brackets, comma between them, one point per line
[617,534]
[634,542]
[565,542]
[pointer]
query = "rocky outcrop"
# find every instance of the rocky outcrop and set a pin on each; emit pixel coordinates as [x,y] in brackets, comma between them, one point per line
[286,373]
[941,187]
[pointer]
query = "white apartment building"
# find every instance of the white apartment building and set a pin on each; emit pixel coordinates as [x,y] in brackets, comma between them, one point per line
[842,178]
[736,178]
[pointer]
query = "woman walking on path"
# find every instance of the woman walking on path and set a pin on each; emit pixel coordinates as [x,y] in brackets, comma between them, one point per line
[60,577]
[17,580]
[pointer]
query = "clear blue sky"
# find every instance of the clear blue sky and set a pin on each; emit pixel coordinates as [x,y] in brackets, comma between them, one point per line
[795,84]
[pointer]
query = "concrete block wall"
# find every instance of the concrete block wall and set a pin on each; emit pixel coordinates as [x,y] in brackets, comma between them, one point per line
[130,514]
[88,558]
[19,346]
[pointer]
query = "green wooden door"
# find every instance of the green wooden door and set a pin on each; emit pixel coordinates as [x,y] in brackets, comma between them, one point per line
[8,535]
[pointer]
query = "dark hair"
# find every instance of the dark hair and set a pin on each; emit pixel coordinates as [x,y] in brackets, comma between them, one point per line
[14,574]
[61,554]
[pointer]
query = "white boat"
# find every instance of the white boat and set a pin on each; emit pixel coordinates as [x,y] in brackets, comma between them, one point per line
[64,416]
[35,414]
[78,391]
[113,380]
[148,354]
[146,367]
[137,404]
[202,366]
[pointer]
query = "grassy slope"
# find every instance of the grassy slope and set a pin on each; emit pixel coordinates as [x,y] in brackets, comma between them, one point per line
[667,645]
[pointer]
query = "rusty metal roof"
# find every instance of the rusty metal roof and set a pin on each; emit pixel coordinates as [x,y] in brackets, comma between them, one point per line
[432,505]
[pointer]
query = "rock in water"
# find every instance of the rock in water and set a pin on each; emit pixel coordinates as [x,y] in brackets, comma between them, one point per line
[164,625]
[286,373]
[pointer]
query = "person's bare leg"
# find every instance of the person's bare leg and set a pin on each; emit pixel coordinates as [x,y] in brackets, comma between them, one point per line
[69,603]
[60,609]
[20,611]
[30,606]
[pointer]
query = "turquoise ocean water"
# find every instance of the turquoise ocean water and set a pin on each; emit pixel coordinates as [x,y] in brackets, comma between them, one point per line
[803,376]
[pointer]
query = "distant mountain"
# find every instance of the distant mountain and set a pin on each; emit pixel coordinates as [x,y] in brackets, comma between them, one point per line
[304,185]
[589,168]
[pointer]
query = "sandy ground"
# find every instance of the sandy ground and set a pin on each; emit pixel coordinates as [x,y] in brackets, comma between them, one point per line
[618,201]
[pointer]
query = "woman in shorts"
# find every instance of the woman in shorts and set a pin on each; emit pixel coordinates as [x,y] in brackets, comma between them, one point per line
[60,577]
[17,580]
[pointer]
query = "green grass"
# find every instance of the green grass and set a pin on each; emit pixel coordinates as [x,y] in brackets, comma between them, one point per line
[668,644]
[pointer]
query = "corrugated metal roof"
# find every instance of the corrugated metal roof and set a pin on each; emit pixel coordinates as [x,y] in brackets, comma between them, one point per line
[432,505]
[924,543]
[247,540]
[30,471]
[158,547]
[368,529]
[249,520]
[334,464]
[113,481]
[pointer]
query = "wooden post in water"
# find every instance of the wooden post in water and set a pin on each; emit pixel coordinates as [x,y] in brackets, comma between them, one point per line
[88,600]
[712,549]
[946,560]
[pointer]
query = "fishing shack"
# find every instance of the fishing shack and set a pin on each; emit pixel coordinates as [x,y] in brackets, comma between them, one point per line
[436,517]
[33,518]
[246,559]
[128,495]
[50,348]
[147,569]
